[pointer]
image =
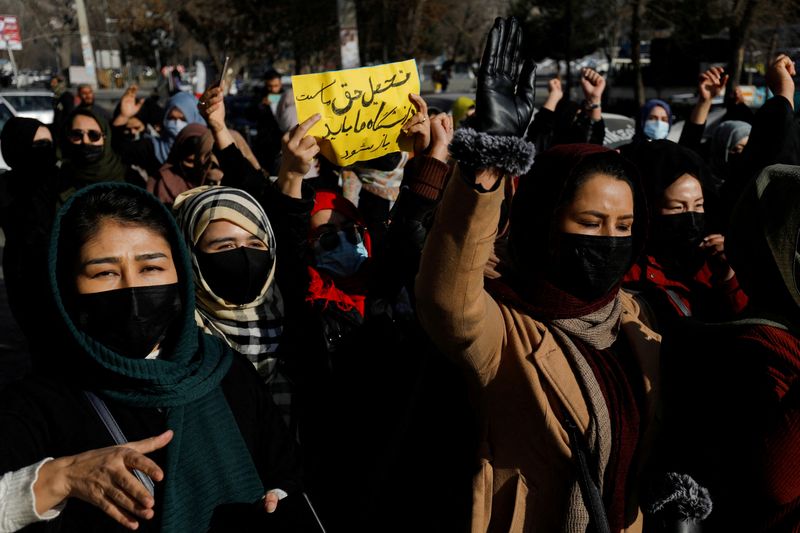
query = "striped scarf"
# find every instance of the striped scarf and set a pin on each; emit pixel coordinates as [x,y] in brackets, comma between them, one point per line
[253,329]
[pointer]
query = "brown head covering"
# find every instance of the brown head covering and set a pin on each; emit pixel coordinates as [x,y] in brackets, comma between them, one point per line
[173,178]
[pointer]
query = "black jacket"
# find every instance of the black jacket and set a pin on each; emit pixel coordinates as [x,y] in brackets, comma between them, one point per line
[49,417]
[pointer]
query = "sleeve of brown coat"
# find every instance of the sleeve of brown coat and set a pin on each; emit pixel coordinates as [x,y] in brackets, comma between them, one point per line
[453,307]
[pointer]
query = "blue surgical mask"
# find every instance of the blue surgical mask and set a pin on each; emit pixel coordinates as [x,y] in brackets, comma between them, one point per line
[174,127]
[342,261]
[656,129]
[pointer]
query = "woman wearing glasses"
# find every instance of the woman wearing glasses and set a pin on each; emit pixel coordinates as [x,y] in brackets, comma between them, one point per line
[88,155]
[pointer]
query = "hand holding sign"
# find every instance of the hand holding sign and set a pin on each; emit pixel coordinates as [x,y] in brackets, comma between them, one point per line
[363,110]
[418,127]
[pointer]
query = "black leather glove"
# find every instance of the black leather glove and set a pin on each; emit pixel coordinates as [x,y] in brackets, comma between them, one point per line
[504,100]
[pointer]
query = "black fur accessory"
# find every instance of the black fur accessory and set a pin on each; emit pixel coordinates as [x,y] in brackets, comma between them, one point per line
[475,150]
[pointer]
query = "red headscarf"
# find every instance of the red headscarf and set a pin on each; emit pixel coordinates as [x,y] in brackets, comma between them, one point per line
[346,293]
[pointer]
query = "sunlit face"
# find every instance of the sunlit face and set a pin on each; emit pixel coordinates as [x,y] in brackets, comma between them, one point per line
[222,235]
[274,85]
[43,134]
[176,114]
[684,195]
[658,113]
[603,206]
[120,256]
[86,94]
[87,124]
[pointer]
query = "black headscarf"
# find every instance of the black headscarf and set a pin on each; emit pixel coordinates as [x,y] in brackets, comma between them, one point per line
[108,168]
[763,244]
[675,239]
[16,140]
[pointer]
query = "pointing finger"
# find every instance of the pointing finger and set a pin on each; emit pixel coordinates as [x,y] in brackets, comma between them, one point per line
[301,130]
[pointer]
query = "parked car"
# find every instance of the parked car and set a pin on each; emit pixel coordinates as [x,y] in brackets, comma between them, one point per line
[30,104]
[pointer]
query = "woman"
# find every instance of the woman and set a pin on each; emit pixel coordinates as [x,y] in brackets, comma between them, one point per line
[122,282]
[150,153]
[561,365]
[340,248]
[684,271]
[234,262]
[731,396]
[656,120]
[727,146]
[89,156]
[191,163]
[28,209]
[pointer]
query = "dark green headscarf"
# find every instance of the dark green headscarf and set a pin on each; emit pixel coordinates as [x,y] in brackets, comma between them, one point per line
[108,168]
[763,244]
[207,461]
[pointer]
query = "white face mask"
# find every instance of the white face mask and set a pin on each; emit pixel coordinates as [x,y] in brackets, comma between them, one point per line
[656,129]
[174,126]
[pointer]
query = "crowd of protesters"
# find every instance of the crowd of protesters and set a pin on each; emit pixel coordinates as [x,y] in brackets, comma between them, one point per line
[510,329]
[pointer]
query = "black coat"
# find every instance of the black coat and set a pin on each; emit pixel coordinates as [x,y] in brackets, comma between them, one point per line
[49,417]
[381,411]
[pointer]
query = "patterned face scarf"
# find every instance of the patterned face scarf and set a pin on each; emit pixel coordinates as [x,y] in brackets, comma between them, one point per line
[254,328]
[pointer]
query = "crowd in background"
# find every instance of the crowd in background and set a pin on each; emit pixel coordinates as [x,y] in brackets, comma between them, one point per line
[512,328]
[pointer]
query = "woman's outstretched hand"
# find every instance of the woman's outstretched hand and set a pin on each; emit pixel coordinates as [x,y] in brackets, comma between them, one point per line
[506,83]
[105,479]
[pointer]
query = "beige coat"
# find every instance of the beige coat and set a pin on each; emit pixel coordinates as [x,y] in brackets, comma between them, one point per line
[517,372]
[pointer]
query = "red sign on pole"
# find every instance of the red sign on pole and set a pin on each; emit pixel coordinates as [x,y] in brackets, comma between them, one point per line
[10,35]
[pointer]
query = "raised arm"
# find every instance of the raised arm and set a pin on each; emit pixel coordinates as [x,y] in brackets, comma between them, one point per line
[709,86]
[775,137]
[452,304]
[593,85]
[397,262]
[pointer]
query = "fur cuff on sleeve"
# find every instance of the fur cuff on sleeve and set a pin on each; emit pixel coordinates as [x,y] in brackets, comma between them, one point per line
[474,150]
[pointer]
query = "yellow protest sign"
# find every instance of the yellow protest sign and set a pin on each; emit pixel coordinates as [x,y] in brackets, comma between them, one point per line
[362,109]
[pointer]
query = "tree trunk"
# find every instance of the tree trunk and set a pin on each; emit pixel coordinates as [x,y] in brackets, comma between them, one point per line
[636,52]
[739,32]
[568,49]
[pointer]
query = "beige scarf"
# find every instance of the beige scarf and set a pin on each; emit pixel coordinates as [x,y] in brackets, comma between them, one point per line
[598,330]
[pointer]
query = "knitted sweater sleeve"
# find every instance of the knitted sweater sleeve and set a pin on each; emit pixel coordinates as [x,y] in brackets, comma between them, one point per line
[18,501]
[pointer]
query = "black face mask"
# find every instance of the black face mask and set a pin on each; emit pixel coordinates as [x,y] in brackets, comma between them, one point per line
[85,154]
[589,266]
[131,321]
[197,173]
[42,155]
[735,162]
[237,276]
[676,242]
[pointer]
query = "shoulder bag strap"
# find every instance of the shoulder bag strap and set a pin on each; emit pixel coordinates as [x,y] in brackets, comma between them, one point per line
[116,433]
[591,494]
[678,302]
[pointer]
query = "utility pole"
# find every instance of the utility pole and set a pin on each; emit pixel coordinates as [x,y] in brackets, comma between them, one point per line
[86,43]
[348,33]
